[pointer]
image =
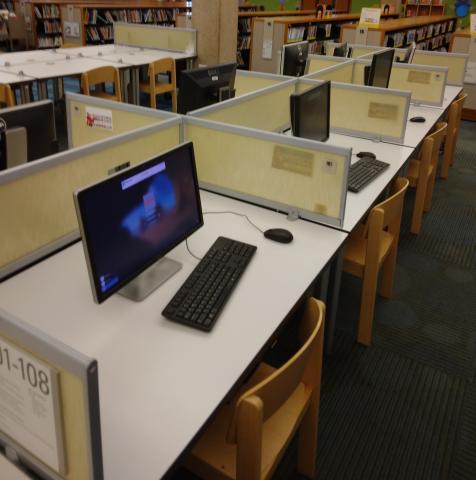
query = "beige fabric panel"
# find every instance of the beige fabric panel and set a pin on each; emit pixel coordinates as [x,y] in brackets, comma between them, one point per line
[455,64]
[155,37]
[247,84]
[368,112]
[358,73]
[460,44]
[268,111]
[277,172]
[425,85]
[43,201]
[319,62]
[73,418]
[339,73]
[122,121]
[359,51]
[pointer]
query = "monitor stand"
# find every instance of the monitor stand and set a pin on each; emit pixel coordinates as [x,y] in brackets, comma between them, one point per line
[225,93]
[150,279]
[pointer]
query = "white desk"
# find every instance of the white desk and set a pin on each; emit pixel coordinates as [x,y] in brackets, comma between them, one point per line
[30,56]
[160,381]
[14,80]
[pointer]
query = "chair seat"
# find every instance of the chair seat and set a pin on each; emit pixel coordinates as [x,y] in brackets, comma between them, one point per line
[413,171]
[356,246]
[104,95]
[159,88]
[213,458]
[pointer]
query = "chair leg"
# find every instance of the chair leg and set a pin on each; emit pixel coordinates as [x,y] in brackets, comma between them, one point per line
[307,448]
[174,101]
[429,191]
[445,164]
[417,215]
[388,273]
[367,306]
[153,100]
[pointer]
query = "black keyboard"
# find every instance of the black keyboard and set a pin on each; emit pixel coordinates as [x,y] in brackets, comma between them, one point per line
[363,172]
[201,298]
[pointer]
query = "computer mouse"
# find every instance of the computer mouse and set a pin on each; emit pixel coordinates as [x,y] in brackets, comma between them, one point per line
[280,235]
[366,154]
[418,119]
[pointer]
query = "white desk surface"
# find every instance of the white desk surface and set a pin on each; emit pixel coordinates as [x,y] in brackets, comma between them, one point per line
[31,56]
[9,471]
[357,204]
[61,68]
[160,381]
[12,78]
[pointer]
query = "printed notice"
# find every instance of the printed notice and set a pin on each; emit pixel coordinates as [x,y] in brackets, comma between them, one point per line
[384,111]
[99,118]
[370,17]
[415,76]
[29,405]
[472,22]
[293,160]
[71,29]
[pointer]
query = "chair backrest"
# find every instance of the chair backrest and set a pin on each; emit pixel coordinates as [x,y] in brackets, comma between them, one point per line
[6,95]
[106,74]
[385,216]
[161,66]
[304,367]
[454,116]
[432,143]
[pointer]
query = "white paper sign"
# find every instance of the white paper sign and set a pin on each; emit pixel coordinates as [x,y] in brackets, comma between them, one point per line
[29,405]
[99,118]
[361,35]
[370,17]
[71,29]
[267,50]
[472,24]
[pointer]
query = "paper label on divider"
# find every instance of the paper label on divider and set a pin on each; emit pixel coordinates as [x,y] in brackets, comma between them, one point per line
[293,160]
[99,118]
[383,111]
[370,17]
[267,49]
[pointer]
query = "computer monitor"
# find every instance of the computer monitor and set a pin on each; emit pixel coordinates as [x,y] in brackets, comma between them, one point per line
[38,119]
[49,404]
[205,86]
[410,51]
[341,50]
[293,59]
[378,75]
[130,221]
[310,112]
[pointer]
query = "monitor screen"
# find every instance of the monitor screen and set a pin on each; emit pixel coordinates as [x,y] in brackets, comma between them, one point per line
[206,86]
[38,120]
[310,111]
[293,59]
[380,69]
[131,220]
[341,50]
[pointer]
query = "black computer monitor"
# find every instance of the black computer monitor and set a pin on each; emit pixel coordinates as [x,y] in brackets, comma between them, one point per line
[38,119]
[379,73]
[341,50]
[293,59]
[131,220]
[205,86]
[310,112]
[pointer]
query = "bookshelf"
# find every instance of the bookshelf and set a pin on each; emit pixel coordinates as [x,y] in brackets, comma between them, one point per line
[429,32]
[416,8]
[43,24]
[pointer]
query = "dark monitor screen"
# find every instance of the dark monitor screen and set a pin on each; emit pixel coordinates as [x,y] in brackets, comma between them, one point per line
[310,112]
[38,118]
[380,69]
[131,220]
[205,86]
[293,59]
[341,50]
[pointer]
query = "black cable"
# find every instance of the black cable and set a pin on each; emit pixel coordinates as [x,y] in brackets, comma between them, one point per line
[221,213]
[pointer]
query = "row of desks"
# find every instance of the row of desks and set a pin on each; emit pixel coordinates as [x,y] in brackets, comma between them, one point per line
[23,68]
[160,382]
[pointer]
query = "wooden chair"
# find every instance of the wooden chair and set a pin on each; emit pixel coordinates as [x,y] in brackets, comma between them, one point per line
[454,120]
[97,77]
[248,436]
[154,88]
[422,173]
[6,95]
[372,246]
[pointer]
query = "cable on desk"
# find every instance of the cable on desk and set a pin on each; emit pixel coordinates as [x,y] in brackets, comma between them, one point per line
[222,213]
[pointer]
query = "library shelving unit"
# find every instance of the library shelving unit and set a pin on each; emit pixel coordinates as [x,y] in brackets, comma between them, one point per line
[96,19]
[289,29]
[429,32]
[43,27]
[416,8]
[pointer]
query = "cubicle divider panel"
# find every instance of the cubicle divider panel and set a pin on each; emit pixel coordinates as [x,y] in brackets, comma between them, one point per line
[91,119]
[247,81]
[266,109]
[319,62]
[359,51]
[358,72]
[44,218]
[343,72]
[72,384]
[293,175]
[152,36]
[426,83]
[456,63]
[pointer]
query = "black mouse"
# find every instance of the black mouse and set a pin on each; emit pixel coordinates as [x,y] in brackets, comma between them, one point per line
[418,119]
[366,154]
[279,235]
